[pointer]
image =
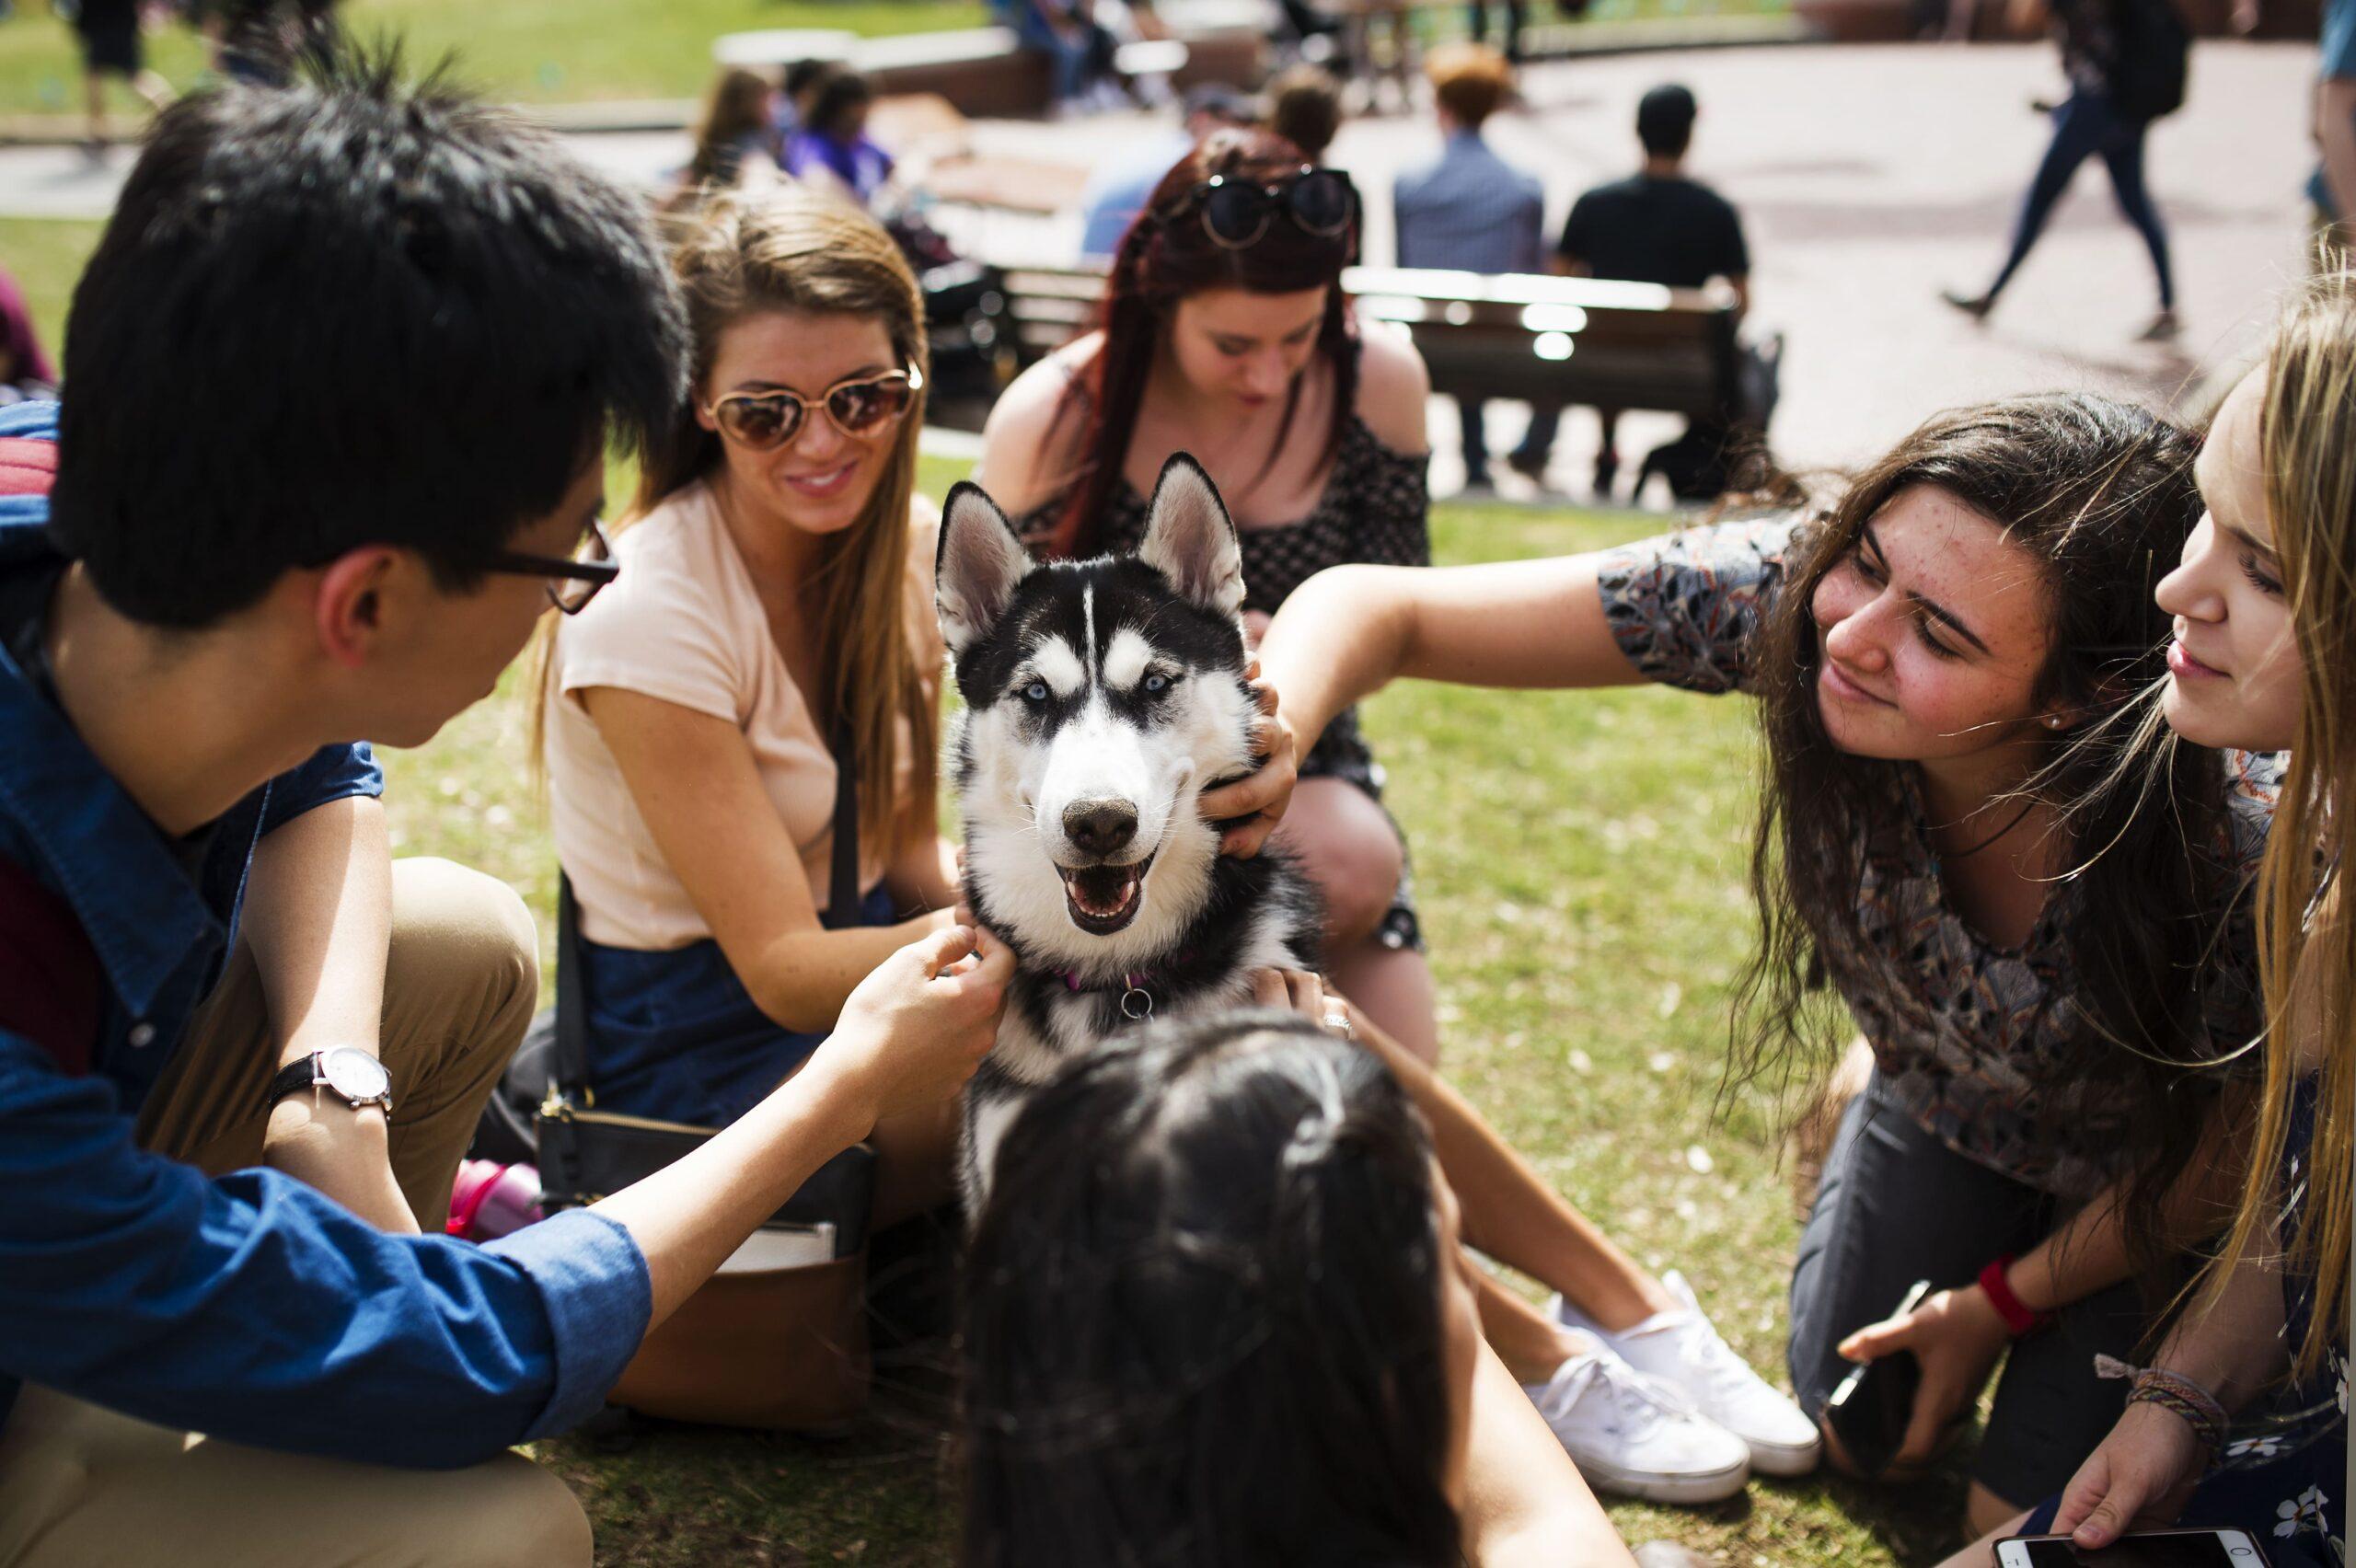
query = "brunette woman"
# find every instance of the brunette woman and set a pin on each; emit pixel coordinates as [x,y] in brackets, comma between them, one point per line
[1224,333]
[1934,658]
[1217,1315]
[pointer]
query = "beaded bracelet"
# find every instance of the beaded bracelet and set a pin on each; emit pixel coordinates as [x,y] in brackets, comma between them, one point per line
[2183,1399]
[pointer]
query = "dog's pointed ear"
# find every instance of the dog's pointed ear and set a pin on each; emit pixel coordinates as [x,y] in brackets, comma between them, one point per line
[978,562]
[1190,539]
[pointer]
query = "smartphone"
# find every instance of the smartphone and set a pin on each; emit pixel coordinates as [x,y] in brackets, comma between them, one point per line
[2159,1549]
[1869,1410]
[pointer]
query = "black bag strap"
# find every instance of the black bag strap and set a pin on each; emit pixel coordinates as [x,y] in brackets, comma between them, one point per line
[843,897]
[571,1019]
[572,1016]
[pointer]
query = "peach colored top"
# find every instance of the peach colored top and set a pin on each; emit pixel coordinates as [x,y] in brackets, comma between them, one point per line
[683,623]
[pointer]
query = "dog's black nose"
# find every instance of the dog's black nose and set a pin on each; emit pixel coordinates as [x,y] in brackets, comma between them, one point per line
[1100,827]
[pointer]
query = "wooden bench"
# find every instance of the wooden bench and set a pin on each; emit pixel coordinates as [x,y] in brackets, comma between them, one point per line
[1570,340]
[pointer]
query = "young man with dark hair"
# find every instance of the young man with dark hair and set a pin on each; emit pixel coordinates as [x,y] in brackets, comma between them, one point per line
[1656,226]
[1468,210]
[343,371]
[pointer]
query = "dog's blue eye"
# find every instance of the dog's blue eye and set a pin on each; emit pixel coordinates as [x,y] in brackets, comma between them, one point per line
[1156,683]
[1035,692]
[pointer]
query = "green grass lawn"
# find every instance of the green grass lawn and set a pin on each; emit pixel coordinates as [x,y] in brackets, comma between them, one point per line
[1578,861]
[533,50]
[564,51]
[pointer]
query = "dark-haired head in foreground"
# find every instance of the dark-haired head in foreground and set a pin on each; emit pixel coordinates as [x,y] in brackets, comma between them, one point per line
[1213,1314]
[353,317]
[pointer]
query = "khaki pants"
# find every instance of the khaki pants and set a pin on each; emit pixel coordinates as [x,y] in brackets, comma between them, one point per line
[81,1485]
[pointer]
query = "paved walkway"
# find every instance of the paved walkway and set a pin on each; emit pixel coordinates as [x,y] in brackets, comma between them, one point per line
[1868,177]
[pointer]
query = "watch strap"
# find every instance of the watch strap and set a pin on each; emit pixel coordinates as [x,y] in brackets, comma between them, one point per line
[293,1079]
[305,1073]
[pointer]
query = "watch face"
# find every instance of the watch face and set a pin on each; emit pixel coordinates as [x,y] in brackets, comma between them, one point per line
[354,1074]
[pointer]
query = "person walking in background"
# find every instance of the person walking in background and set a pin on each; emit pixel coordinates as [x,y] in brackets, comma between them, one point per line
[109,33]
[1656,226]
[2125,60]
[1469,211]
[1476,22]
[1305,109]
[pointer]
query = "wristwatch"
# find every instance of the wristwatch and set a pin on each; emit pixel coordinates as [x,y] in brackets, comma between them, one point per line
[349,1073]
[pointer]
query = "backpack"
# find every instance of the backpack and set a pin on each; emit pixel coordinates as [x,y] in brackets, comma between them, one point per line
[2154,57]
[50,987]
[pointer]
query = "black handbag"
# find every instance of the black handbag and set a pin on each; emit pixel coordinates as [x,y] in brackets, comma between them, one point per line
[587,1153]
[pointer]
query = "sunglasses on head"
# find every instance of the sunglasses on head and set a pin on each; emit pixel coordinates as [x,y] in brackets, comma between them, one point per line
[764,420]
[1236,213]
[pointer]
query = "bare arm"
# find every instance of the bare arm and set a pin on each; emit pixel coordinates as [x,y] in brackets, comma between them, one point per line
[1350,631]
[318,916]
[1525,1504]
[1022,464]
[693,778]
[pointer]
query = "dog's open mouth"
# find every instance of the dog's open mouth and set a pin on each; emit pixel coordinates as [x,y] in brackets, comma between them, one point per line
[1103,899]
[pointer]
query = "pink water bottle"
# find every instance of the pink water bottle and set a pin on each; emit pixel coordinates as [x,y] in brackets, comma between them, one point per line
[490,1200]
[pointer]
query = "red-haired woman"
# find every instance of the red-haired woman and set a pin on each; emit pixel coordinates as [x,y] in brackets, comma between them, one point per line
[1224,333]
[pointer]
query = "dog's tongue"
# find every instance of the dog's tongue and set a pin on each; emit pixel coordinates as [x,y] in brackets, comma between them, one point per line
[1102,891]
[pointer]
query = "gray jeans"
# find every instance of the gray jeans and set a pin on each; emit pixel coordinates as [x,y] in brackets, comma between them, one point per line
[1896,1205]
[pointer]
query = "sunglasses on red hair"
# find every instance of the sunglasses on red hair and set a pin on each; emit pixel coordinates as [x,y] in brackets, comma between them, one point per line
[1237,211]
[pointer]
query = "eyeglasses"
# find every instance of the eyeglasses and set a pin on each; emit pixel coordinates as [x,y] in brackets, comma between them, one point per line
[1237,212]
[766,420]
[572,584]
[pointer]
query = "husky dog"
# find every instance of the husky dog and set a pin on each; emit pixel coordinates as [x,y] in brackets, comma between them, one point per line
[1102,698]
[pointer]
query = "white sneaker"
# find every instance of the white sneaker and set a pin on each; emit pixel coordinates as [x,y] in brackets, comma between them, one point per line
[1629,1433]
[1680,1348]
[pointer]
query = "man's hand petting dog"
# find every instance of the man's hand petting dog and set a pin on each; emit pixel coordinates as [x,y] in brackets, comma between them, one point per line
[1256,804]
[916,1026]
[1298,991]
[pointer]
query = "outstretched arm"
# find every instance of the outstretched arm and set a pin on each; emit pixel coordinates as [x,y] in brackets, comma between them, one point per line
[1351,630]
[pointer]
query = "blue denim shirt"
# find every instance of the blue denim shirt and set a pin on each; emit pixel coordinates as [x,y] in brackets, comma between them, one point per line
[249,1308]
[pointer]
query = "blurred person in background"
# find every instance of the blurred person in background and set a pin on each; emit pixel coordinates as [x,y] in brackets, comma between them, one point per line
[2333,189]
[24,370]
[1656,226]
[833,149]
[1469,211]
[108,31]
[732,134]
[2116,54]
[1476,22]
[1305,109]
[798,87]
[1118,189]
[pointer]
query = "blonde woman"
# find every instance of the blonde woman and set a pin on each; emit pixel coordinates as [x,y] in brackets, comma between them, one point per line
[773,612]
[2241,1419]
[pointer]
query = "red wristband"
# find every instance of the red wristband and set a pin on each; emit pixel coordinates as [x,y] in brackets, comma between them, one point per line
[2018,1318]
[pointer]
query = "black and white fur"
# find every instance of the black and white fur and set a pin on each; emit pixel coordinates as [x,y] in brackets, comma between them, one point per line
[1102,698]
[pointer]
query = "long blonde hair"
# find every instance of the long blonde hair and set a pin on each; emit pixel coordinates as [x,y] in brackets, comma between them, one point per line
[796,249]
[2306,943]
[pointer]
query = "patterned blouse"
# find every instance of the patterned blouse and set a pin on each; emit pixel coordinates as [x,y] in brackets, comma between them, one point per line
[1979,1041]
